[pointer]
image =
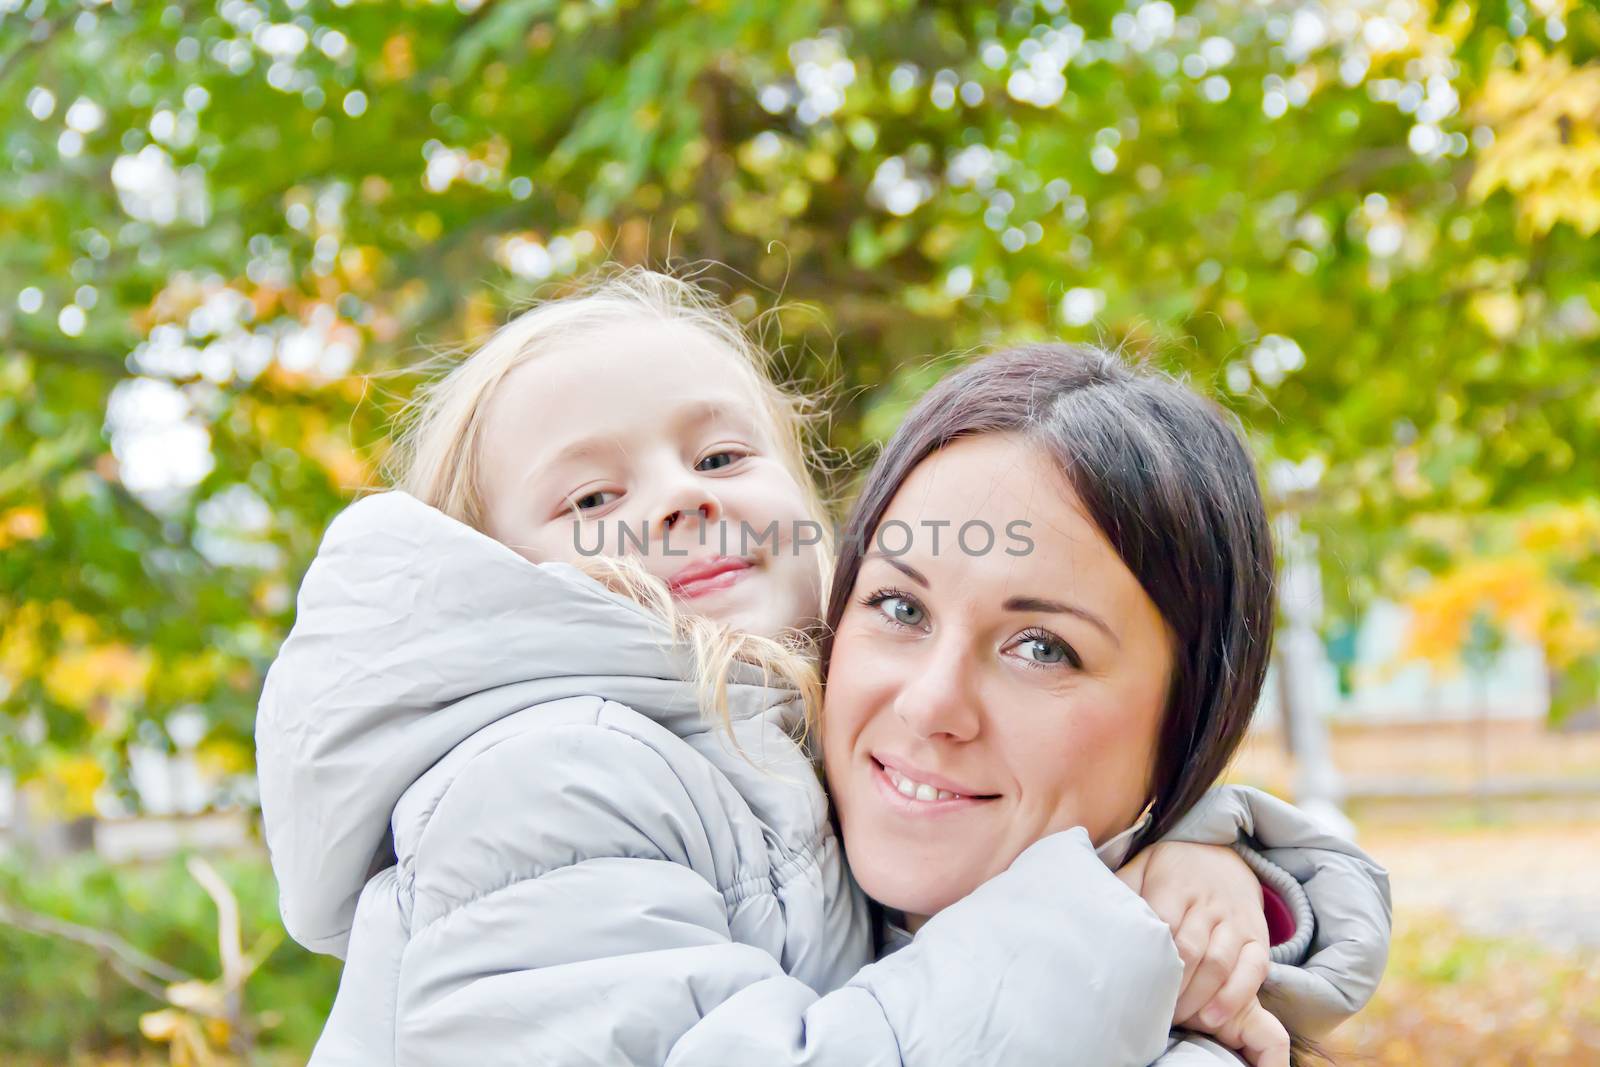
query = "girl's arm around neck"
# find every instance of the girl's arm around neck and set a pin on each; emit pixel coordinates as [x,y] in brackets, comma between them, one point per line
[579,899]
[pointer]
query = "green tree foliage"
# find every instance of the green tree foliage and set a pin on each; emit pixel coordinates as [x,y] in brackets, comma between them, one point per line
[68,997]
[227,231]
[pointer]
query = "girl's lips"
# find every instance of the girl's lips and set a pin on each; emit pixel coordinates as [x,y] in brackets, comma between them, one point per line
[708,576]
[909,805]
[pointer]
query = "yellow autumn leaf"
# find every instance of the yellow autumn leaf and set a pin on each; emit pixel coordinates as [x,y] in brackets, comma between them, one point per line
[1499,313]
[20,524]
[1518,593]
[1545,115]
[25,629]
[78,677]
[198,996]
[1570,531]
[218,1032]
[344,464]
[66,786]
[191,677]
[332,451]
[19,641]
[398,59]
[478,316]
[222,756]
[160,1026]
[1570,637]
[180,296]
[74,626]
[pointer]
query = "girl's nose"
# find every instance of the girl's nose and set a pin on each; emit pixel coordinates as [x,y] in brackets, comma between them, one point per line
[686,499]
[673,518]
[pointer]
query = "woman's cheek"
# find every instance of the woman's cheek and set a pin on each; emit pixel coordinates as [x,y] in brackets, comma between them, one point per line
[1111,757]
[856,680]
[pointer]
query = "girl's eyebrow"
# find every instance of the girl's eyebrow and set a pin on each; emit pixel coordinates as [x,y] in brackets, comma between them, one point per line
[1037,605]
[685,417]
[587,448]
[708,411]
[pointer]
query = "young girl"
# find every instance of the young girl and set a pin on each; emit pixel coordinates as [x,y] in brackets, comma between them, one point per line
[550,819]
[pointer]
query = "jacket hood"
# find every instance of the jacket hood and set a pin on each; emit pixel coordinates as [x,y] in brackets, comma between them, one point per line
[412,632]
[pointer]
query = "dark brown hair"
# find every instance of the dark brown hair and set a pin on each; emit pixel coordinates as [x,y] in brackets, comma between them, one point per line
[1164,475]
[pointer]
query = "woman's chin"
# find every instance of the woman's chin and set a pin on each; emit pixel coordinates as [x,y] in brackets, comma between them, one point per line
[909,890]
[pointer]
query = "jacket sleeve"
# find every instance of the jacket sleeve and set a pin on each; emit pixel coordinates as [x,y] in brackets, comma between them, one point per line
[1331,967]
[571,906]
[1196,1050]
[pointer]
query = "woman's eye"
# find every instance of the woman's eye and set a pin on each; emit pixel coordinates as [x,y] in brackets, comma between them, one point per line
[1046,650]
[902,610]
[717,460]
[1041,651]
[598,498]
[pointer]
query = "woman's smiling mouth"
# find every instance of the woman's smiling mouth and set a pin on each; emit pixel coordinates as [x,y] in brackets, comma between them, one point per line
[915,791]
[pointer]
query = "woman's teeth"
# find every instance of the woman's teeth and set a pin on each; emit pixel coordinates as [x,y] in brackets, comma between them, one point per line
[917,790]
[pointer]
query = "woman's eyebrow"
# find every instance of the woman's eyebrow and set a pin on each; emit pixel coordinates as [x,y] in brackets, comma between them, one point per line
[900,565]
[1056,607]
[1036,605]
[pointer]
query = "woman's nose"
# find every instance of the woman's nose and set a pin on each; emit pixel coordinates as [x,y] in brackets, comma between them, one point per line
[938,699]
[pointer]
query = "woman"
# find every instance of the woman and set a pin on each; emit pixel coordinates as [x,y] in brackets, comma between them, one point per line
[655,919]
[1147,577]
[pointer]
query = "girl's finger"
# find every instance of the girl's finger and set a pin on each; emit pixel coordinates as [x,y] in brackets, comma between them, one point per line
[1192,936]
[1258,1035]
[1171,905]
[1214,964]
[1240,988]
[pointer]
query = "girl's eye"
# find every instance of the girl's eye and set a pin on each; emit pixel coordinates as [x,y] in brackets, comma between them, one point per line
[598,498]
[897,608]
[1044,649]
[718,460]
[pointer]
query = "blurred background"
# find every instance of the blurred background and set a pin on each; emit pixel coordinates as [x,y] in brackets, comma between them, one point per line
[230,232]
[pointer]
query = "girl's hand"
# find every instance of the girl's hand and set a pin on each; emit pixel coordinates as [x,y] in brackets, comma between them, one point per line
[1257,1035]
[1211,900]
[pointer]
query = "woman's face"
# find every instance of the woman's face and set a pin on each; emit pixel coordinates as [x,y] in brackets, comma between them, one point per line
[978,702]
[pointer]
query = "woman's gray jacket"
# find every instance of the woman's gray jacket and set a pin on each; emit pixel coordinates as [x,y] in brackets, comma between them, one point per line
[488,788]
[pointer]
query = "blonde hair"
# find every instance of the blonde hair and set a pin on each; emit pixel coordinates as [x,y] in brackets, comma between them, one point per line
[438,453]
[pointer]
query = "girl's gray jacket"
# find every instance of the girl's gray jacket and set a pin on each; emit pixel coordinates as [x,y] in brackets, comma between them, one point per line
[487,786]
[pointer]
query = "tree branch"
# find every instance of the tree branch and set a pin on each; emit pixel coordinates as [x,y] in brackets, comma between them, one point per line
[98,361]
[1362,166]
[137,968]
[229,947]
[33,44]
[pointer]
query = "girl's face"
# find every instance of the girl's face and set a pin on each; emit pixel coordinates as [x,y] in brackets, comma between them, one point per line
[644,439]
[1011,695]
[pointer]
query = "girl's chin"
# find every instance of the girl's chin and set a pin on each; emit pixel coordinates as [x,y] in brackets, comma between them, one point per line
[758,607]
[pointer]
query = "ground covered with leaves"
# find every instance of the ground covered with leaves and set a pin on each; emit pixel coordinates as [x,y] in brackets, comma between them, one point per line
[1478,974]
[1453,998]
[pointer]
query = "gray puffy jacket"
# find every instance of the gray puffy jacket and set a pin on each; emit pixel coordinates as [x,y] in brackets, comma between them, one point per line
[486,785]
